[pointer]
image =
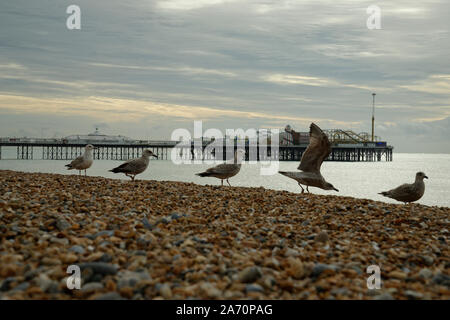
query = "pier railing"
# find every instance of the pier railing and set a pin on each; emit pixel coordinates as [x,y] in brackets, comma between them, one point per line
[49,149]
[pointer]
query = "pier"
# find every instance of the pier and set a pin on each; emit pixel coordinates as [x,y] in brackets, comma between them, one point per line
[54,149]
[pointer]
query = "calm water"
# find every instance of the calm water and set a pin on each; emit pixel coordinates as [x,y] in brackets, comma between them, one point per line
[357,179]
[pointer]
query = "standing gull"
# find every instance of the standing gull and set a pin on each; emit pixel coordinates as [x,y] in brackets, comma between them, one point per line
[84,161]
[318,149]
[225,170]
[408,192]
[133,167]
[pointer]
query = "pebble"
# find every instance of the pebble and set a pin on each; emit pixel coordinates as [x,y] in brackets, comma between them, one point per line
[108,233]
[250,274]
[425,273]
[109,296]
[320,267]
[384,296]
[44,282]
[210,291]
[296,268]
[130,279]
[165,291]
[253,288]
[442,279]
[21,287]
[92,286]
[428,260]
[5,284]
[77,249]
[414,295]
[62,224]
[397,275]
[179,240]
[322,236]
[99,267]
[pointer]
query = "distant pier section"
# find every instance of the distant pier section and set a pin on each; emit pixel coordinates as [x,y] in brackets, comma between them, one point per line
[346,146]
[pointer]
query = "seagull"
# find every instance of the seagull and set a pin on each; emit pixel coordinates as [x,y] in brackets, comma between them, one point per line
[225,170]
[318,149]
[408,192]
[133,167]
[84,161]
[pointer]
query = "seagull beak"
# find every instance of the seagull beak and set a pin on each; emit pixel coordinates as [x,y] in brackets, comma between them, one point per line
[426,177]
[335,189]
[155,156]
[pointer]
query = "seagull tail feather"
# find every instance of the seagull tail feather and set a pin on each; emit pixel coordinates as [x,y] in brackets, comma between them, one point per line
[203,174]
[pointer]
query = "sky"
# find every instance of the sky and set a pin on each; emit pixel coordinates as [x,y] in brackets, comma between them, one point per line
[144,68]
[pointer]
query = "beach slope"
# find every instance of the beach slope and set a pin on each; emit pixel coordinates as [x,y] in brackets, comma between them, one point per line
[174,240]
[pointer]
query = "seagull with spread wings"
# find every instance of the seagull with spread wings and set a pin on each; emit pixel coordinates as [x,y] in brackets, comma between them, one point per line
[318,150]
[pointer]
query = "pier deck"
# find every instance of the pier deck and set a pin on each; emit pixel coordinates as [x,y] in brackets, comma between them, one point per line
[56,150]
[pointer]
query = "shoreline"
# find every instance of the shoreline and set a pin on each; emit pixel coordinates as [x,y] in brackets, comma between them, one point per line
[179,240]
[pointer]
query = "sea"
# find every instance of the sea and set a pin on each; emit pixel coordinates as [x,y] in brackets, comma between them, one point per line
[354,179]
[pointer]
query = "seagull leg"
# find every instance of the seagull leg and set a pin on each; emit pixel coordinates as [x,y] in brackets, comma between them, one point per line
[228,183]
[132,178]
[307,189]
[303,190]
[85,172]
[79,173]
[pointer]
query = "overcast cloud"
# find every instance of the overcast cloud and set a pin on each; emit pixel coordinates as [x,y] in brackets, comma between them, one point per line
[143,68]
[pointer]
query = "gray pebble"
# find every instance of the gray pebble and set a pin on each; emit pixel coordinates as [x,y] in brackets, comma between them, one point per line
[5,285]
[250,274]
[99,267]
[442,279]
[108,233]
[62,224]
[92,286]
[77,249]
[413,295]
[254,288]
[384,296]
[110,296]
[321,267]
[21,287]
[425,273]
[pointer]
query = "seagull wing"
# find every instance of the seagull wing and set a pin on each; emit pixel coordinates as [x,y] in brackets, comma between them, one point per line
[318,150]
[401,193]
[76,162]
[223,168]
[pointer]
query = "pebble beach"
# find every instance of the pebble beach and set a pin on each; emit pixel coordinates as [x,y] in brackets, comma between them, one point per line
[177,240]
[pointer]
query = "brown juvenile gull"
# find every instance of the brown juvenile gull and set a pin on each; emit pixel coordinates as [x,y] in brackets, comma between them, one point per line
[133,167]
[318,149]
[84,161]
[408,192]
[225,170]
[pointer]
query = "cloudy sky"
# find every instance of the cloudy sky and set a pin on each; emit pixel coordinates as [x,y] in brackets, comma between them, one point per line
[143,68]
